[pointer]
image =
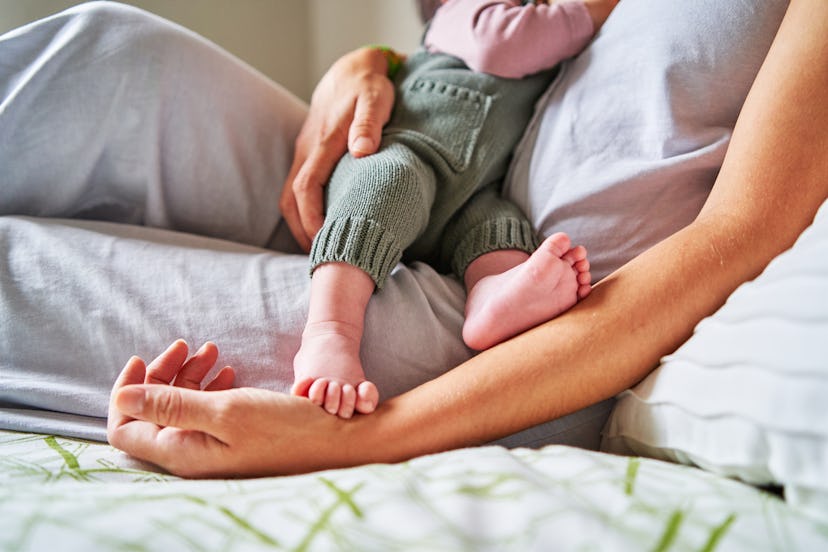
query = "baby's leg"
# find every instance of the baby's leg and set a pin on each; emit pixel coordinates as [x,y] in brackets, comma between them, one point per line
[327,368]
[376,207]
[510,291]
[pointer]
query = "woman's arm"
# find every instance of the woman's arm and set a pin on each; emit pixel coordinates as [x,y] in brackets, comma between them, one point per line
[774,178]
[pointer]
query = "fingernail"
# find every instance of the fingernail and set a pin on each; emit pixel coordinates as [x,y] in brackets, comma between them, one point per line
[130,400]
[363,145]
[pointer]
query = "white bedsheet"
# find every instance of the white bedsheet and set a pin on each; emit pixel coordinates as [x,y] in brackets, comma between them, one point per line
[74,495]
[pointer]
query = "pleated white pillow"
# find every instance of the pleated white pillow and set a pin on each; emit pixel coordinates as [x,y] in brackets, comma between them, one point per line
[747,395]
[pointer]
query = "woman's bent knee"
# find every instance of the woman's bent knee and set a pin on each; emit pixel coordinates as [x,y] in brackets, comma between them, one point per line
[112,15]
[114,29]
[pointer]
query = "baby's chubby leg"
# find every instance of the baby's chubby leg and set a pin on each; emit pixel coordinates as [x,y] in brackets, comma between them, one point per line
[327,369]
[510,291]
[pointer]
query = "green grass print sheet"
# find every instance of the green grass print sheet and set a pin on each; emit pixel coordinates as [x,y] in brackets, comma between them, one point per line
[66,494]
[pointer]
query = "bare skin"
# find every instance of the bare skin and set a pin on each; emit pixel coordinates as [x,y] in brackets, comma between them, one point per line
[509,292]
[599,10]
[327,368]
[603,345]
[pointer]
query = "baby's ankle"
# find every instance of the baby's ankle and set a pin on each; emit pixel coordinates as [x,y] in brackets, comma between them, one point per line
[321,328]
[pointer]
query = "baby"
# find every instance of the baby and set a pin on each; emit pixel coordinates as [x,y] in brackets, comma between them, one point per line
[432,192]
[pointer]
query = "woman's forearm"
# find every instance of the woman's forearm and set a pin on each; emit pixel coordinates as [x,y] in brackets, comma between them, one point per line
[605,344]
[773,179]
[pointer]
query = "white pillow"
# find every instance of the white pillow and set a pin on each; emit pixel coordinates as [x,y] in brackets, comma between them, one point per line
[747,395]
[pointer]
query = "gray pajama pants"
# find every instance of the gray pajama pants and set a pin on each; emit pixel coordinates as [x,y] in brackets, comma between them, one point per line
[140,170]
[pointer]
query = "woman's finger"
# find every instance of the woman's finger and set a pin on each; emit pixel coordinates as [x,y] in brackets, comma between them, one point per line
[308,187]
[165,367]
[372,111]
[182,452]
[287,202]
[319,148]
[165,405]
[133,372]
[223,380]
[192,373]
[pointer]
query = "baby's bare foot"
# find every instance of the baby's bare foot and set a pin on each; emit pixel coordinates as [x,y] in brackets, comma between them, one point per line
[328,371]
[502,305]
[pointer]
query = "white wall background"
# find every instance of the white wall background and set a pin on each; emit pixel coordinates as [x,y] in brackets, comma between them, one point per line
[291,41]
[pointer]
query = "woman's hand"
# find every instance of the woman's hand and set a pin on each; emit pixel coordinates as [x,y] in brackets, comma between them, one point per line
[159,413]
[348,109]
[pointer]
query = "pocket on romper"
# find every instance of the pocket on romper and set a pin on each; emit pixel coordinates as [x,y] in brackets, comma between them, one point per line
[445,116]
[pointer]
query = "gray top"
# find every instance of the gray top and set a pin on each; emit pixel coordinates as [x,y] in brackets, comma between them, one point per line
[628,141]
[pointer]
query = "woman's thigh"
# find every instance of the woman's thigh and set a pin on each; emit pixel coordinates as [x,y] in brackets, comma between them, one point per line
[111,113]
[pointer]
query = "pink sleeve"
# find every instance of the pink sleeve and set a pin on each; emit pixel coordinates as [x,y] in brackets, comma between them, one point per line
[507,39]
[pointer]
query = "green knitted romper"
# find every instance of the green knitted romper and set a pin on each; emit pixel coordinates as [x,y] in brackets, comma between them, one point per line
[432,191]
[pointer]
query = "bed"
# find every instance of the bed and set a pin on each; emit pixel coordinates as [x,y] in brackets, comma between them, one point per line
[78,495]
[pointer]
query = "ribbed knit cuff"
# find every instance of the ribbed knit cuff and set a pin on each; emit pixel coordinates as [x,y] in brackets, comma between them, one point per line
[493,235]
[359,242]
